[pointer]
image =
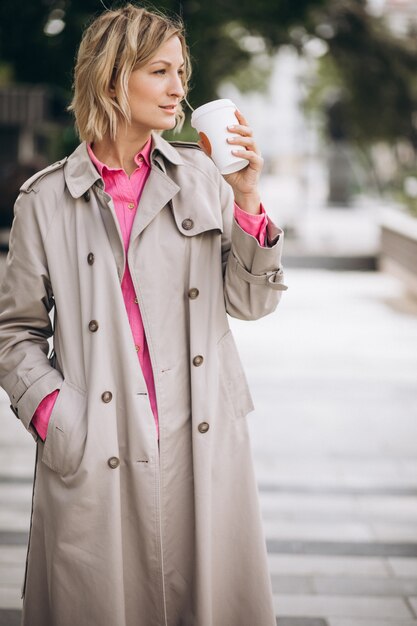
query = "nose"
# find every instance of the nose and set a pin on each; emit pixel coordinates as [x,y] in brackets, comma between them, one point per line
[176,87]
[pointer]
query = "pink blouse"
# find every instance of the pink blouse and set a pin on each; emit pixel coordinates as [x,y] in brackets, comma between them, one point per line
[126,192]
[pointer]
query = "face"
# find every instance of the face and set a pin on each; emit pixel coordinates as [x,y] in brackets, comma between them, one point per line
[155,89]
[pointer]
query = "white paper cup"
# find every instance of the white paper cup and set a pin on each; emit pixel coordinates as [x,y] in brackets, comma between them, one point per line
[211,121]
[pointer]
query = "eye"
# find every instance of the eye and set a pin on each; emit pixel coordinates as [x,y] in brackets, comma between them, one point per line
[160,72]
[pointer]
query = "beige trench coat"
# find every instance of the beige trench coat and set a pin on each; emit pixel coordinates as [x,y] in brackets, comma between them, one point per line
[125,532]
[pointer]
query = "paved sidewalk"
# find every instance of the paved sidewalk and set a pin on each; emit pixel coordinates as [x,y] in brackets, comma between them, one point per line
[334,379]
[334,375]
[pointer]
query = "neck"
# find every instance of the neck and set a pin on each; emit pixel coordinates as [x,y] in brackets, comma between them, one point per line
[120,152]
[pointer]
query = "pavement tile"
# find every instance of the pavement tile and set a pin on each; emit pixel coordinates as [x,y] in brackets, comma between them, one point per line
[10,617]
[398,531]
[10,597]
[367,622]
[334,517]
[343,585]
[13,538]
[316,565]
[319,530]
[341,473]
[413,603]
[289,584]
[403,567]
[299,621]
[12,555]
[368,507]
[337,489]
[18,519]
[15,493]
[364,586]
[11,575]
[342,548]
[340,606]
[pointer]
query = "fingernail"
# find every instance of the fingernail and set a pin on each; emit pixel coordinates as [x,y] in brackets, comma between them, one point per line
[232,127]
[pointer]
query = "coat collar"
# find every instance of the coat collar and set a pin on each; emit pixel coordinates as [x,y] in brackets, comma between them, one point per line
[81,174]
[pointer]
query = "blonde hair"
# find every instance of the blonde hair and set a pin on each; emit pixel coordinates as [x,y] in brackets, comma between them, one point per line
[116,43]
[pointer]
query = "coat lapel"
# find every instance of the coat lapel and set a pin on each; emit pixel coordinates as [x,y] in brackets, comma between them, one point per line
[158,191]
[81,175]
[112,226]
[159,188]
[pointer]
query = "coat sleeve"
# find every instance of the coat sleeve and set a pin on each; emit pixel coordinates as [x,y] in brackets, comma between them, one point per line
[252,274]
[25,302]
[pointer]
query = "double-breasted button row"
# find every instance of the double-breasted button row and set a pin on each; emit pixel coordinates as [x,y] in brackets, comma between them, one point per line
[198,360]
[187,224]
[107,396]
[203,427]
[113,462]
[193,293]
[93,326]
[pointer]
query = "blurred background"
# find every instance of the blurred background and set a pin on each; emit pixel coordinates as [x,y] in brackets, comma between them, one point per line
[330,89]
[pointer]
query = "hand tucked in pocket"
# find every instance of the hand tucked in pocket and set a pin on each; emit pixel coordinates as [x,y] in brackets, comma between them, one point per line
[40,419]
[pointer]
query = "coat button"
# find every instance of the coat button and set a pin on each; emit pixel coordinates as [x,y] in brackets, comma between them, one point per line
[90,258]
[86,196]
[107,396]
[203,427]
[113,462]
[193,293]
[93,326]
[188,224]
[197,360]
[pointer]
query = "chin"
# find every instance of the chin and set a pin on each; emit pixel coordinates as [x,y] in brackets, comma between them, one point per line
[166,125]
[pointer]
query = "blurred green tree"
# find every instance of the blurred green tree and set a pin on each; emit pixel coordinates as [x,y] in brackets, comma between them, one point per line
[375,71]
[367,84]
[217,51]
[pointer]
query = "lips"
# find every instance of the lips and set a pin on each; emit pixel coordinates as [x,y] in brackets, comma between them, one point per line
[169,107]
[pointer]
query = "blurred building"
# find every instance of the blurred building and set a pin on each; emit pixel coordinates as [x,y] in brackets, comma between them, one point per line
[25,115]
[30,116]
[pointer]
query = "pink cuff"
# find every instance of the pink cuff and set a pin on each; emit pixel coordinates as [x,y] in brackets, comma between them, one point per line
[254,225]
[40,419]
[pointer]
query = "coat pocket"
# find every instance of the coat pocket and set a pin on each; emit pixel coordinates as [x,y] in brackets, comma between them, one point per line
[64,445]
[232,377]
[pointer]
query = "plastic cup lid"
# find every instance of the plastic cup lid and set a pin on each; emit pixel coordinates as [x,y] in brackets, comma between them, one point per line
[214,105]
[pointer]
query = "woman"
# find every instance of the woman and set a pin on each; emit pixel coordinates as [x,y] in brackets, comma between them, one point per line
[145,509]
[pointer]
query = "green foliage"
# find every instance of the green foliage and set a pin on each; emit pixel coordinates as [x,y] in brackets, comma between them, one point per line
[377,71]
[373,72]
[216,50]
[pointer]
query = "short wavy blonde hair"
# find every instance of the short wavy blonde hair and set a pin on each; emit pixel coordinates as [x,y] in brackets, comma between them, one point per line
[116,43]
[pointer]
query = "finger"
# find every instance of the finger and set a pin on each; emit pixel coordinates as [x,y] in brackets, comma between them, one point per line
[240,117]
[251,156]
[241,129]
[246,142]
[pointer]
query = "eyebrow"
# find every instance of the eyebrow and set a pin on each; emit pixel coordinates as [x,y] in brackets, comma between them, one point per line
[166,62]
